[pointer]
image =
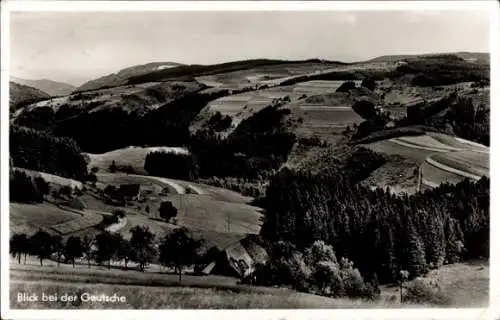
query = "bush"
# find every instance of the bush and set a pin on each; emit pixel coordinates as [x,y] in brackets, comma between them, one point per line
[220,123]
[42,185]
[421,291]
[167,210]
[369,84]
[66,191]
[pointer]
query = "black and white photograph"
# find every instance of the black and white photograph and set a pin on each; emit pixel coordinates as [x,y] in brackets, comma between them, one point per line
[202,157]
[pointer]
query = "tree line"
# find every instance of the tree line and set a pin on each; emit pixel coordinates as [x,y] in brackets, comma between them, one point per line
[176,250]
[380,232]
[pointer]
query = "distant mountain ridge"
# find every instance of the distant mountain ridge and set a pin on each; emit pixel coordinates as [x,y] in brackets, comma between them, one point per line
[51,87]
[481,57]
[121,77]
[163,71]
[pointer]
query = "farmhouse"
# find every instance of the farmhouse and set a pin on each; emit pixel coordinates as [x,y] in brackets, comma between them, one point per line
[238,259]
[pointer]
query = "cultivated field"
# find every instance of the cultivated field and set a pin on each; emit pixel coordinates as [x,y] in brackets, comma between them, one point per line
[441,158]
[433,176]
[333,115]
[29,218]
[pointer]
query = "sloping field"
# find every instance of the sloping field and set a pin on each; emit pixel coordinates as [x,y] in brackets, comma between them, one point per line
[29,218]
[459,143]
[269,74]
[442,158]
[85,221]
[139,98]
[466,285]
[131,156]
[417,148]
[122,178]
[328,116]
[433,176]
[469,164]
[205,213]
[319,86]
[424,142]
[204,208]
[53,179]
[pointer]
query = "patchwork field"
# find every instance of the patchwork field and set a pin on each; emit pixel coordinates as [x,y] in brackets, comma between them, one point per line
[29,218]
[334,114]
[441,158]
[270,75]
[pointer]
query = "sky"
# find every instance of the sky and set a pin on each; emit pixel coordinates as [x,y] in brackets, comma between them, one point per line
[74,47]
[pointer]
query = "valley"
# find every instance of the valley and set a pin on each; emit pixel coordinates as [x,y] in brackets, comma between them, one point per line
[258,156]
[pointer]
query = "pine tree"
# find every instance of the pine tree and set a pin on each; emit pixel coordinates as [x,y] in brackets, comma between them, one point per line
[413,253]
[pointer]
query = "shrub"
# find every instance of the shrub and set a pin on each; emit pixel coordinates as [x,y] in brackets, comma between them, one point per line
[91,177]
[421,291]
[42,185]
[328,278]
[112,167]
[66,191]
[167,210]
[369,84]
[220,123]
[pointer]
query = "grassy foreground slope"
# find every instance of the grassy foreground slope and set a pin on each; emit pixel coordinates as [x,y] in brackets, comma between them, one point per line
[465,284]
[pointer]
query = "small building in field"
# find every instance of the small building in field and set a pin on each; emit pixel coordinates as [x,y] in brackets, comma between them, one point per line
[238,259]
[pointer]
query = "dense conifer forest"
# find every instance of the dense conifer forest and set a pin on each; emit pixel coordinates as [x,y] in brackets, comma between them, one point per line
[379,231]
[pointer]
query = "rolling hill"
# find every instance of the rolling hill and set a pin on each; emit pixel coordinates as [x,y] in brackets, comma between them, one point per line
[53,88]
[21,95]
[168,105]
[120,78]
